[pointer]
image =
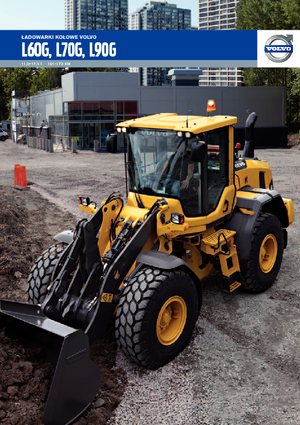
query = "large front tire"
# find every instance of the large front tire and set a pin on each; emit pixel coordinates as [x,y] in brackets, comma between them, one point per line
[156,316]
[261,268]
[41,273]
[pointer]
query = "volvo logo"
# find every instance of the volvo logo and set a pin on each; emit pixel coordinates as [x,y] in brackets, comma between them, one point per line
[279,48]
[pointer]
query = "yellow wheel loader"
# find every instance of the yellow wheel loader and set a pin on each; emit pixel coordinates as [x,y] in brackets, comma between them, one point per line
[193,207]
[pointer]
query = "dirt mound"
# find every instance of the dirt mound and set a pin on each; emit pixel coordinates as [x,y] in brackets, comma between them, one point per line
[293,142]
[28,223]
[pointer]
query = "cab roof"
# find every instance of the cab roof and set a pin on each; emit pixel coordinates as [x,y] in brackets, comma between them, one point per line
[191,123]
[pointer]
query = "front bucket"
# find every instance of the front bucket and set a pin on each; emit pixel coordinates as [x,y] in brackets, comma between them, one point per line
[76,379]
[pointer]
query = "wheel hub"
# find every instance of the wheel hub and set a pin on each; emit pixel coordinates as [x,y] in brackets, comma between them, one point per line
[268,253]
[171,320]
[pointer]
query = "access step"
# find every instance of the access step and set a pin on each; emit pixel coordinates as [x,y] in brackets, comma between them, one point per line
[215,242]
[221,243]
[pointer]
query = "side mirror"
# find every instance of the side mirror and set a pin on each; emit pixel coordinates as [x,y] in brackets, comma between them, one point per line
[198,151]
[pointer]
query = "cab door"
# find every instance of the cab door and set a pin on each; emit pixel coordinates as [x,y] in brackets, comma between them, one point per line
[218,190]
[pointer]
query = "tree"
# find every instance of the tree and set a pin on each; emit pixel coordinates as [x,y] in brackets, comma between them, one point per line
[291,9]
[260,15]
[46,79]
[18,79]
[273,15]
[4,98]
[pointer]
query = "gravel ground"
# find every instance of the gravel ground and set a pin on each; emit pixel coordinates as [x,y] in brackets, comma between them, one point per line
[243,363]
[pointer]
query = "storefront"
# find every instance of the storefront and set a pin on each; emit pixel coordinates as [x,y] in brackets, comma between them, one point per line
[90,121]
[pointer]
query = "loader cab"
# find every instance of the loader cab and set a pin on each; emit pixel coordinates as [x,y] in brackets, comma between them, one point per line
[167,163]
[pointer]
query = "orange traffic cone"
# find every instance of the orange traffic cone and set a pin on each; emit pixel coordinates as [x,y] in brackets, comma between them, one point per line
[17,172]
[20,178]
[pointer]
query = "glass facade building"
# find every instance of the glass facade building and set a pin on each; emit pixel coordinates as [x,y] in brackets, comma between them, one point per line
[219,15]
[90,121]
[90,104]
[96,14]
[158,16]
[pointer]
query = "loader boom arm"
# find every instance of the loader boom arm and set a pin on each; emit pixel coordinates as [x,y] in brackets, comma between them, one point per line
[87,297]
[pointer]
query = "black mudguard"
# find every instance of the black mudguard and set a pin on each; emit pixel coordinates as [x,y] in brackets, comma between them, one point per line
[165,261]
[267,201]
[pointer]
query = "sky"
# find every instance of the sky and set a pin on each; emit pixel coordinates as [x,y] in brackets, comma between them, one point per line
[37,15]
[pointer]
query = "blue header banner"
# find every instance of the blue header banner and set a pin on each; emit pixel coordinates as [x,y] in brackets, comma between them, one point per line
[128,48]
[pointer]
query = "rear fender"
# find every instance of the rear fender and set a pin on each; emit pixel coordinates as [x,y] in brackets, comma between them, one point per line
[250,203]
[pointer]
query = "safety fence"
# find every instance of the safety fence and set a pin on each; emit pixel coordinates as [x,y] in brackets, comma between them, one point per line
[58,145]
[40,143]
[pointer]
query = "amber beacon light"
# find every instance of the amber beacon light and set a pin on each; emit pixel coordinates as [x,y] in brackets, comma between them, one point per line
[211,105]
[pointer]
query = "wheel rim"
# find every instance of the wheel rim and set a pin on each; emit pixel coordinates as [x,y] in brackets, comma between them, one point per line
[268,253]
[171,320]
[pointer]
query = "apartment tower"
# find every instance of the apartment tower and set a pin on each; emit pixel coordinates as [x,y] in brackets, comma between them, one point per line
[96,14]
[156,15]
[219,15]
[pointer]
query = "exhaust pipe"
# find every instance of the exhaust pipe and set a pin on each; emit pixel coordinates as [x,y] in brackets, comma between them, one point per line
[76,378]
[249,136]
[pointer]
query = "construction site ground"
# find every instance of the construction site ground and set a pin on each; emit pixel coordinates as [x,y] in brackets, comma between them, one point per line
[242,365]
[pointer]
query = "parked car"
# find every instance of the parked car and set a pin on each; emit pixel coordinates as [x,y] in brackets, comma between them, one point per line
[3,135]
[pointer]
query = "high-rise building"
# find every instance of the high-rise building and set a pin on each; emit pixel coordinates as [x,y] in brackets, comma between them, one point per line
[70,14]
[155,15]
[219,15]
[96,14]
[134,21]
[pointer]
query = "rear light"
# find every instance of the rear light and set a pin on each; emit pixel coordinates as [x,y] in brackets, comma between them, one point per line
[177,218]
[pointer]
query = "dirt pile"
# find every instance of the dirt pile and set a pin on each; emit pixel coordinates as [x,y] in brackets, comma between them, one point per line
[28,223]
[293,141]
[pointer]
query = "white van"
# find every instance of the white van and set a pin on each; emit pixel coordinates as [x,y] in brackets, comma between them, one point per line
[3,135]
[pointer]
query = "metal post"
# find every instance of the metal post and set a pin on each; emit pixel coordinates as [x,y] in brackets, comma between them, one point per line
[50,146]
[96,146]
[73,148]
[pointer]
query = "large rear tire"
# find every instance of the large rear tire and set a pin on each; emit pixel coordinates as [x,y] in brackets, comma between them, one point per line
[261,268]
[156,316]
[41,273]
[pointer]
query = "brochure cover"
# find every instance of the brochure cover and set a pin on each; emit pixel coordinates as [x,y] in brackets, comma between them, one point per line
[149,214]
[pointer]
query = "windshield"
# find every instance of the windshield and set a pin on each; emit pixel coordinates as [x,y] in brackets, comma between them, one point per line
[159,164]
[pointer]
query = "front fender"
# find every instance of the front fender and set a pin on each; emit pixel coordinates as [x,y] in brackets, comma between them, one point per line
[67,236]
[165,261]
